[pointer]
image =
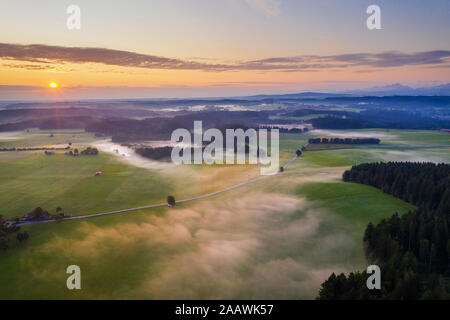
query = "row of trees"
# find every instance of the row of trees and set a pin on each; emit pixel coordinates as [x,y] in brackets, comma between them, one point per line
[413,250]
[336,140]
[87,152]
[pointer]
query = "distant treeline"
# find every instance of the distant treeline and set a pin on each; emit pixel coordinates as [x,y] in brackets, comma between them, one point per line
[340,123]
[165,153]
[285,130]
[49,123]
[87,152]
[126,130]
[133,120]
[65,115]
[380,118]
[313,111]
[335,140]
[413,251]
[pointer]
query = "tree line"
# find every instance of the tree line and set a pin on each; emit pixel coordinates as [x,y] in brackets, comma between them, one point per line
[285,130]
[412,250]
[87,152]
[164,153]
[336,140]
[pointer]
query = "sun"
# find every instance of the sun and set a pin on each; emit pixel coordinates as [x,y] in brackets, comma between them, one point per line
[53,85]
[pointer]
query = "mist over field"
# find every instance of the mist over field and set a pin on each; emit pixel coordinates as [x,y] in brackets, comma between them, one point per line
[128,155]
[254,246]
[354,134]
[9,135]
[277,238]
[414,156]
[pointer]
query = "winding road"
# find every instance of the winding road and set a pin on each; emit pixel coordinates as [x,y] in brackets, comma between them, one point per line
[160,204]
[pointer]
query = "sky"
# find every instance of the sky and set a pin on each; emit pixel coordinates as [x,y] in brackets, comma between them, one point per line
[185,48]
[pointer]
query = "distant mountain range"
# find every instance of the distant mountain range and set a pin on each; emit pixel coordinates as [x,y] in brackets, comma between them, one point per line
[395,89]
[302,95]
[399,89]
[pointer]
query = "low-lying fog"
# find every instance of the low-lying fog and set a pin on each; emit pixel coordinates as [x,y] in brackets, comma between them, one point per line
[11,135]
[127,154]
[249,246]
[424,155]
[353,134]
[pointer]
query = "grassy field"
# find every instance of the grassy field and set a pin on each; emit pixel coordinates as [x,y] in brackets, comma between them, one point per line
[326,159]
[125,255]
[396,145]
[277,238]
[30,178]
[356,204]
[34,179]
[42,138]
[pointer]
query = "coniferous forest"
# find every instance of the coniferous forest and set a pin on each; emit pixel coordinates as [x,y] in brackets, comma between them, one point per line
[412,250]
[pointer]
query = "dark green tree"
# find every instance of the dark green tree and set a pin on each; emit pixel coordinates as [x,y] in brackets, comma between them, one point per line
[171,200]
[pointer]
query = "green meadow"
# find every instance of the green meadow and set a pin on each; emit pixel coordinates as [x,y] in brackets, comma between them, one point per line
[35,137]
[279,237]
[34,179]
[355,204]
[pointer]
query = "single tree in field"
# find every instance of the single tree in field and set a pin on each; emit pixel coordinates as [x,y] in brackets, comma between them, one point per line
[21,236]
[59,214]
[171,201]
[298,153]
[281,169]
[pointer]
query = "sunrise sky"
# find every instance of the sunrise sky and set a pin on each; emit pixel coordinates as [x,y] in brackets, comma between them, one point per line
[184,48]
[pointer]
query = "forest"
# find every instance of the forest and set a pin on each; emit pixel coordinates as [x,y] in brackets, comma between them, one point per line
[412,250]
